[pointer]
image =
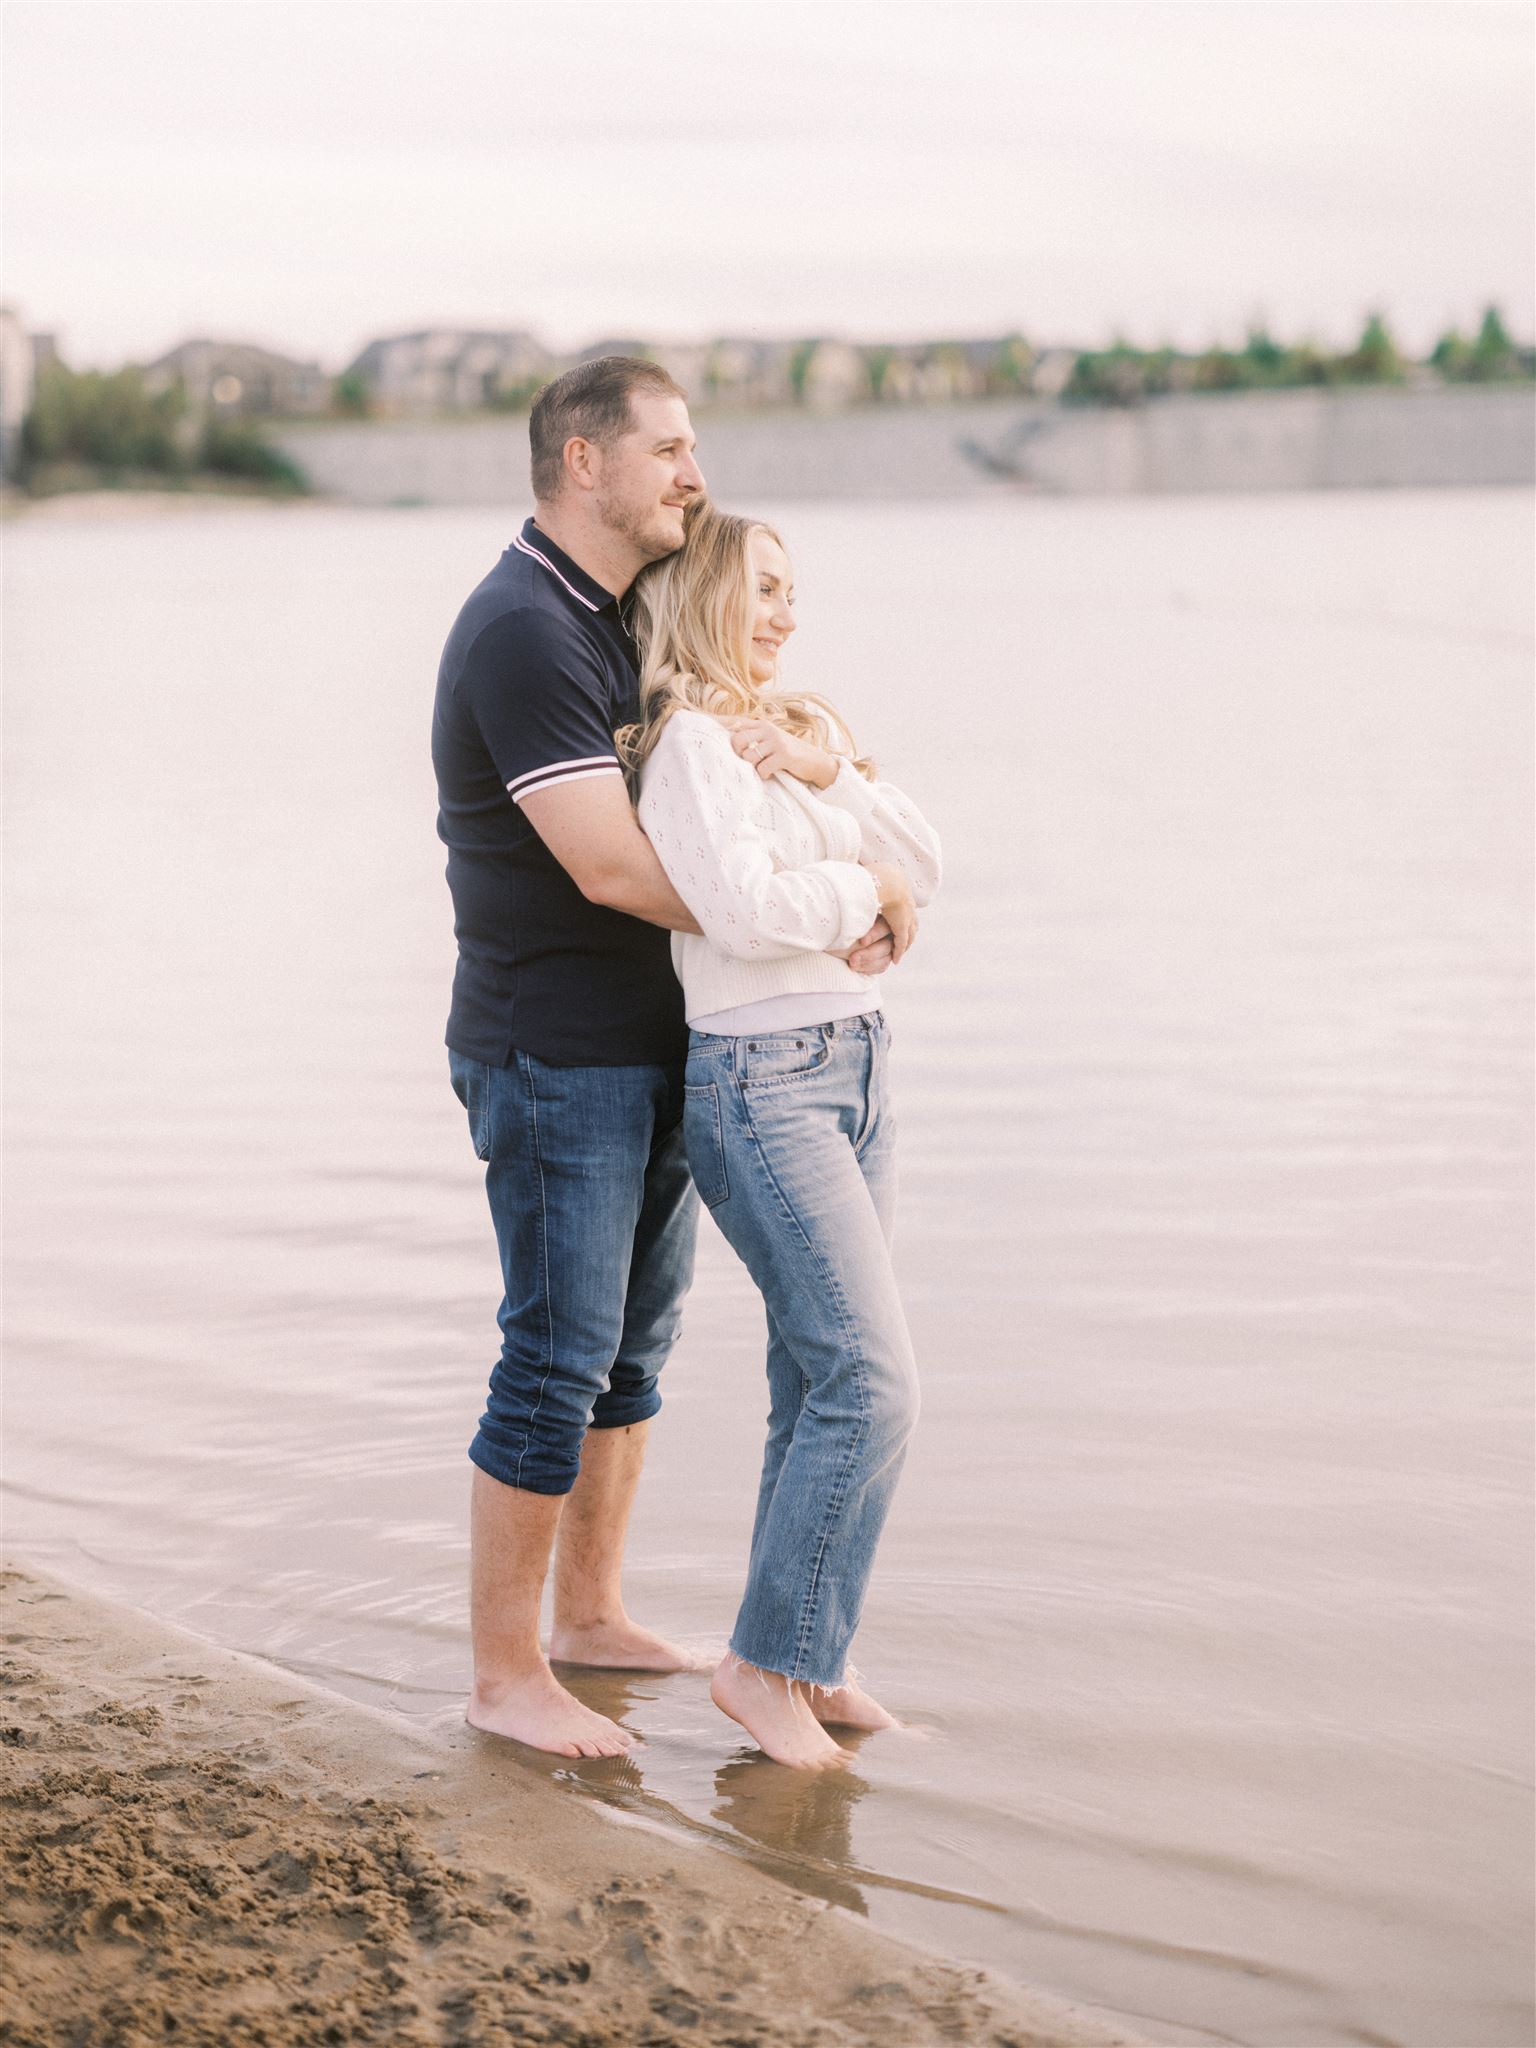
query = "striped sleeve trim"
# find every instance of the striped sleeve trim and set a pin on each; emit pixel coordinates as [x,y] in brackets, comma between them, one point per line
[562,771]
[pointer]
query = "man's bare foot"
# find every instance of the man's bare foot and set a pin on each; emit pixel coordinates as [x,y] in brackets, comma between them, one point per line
[775,1715]
[620,1645]
[539,1711]
[848,1706]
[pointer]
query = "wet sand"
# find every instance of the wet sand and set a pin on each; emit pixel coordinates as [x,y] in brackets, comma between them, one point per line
[203,1849]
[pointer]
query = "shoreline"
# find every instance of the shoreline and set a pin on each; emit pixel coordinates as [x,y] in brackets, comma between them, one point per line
[133,501]
[206,1849]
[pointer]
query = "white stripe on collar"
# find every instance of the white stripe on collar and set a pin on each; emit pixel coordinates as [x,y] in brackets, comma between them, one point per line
[523,549]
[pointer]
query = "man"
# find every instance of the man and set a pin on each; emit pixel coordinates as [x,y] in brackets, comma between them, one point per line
[566,1042]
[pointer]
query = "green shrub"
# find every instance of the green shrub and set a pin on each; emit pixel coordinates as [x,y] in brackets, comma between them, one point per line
[107,421]
[88,427]
[1493,353]
[231,448]
[350,396]
[877,367]
[1375,359]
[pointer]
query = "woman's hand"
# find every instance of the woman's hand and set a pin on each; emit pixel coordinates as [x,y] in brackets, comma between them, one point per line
[896,907]
[773,751]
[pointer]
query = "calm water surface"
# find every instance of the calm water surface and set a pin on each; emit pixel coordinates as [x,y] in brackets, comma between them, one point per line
[1208,1589]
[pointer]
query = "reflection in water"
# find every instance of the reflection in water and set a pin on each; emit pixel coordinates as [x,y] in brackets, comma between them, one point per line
[804,1819]
[620,1696]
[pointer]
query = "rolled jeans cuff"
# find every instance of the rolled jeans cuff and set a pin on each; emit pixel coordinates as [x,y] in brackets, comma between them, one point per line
[623,1411]
[531,1469]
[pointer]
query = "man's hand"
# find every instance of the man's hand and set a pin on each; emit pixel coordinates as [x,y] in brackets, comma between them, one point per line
[873,953]
[897,908]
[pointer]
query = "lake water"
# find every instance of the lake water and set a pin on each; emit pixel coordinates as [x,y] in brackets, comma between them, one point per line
[1207,1589]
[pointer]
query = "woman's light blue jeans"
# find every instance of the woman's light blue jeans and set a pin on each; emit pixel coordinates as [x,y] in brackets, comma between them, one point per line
[791,1143]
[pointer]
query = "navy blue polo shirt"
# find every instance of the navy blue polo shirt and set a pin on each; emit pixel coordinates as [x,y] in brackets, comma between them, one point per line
[538,674]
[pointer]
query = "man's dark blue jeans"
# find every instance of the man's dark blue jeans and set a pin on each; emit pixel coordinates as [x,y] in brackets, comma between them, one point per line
[595,1217]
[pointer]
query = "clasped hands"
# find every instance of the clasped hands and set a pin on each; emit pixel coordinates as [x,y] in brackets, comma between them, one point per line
[773,751]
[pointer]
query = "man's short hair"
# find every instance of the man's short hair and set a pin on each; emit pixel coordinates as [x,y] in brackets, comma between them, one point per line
[591,401]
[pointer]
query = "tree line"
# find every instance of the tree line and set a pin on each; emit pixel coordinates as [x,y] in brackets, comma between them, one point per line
[1123,375]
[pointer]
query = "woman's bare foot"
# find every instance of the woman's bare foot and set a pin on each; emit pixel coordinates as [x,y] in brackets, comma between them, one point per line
[539,1711]
[774,1714]
[848,1706]
[620,1645]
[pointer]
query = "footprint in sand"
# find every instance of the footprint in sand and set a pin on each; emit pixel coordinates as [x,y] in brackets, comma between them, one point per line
[124,1919]
[676,2007]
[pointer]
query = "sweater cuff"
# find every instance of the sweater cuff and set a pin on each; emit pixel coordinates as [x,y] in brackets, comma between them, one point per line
[858,901]
[848,791]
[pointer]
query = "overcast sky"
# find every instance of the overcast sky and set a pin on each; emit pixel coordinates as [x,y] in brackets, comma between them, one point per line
[310,175]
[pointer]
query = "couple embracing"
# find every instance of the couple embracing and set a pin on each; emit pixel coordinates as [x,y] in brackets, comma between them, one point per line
[674,888]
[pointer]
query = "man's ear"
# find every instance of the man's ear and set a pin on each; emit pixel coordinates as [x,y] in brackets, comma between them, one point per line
[581,459]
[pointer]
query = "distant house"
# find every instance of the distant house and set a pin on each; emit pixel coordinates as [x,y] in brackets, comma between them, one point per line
[936,372]
[686,361]
[1052,372]
[1000,367]
[889,372]
[609,345]
[750,372]
[238,377]
[831,375]
[747,372]
[449,369]
[940,371]
[16,371]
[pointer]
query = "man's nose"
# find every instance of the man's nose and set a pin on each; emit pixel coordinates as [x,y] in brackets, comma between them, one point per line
[689,476]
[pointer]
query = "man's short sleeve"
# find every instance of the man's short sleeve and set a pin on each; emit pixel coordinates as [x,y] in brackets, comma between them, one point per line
[541,702]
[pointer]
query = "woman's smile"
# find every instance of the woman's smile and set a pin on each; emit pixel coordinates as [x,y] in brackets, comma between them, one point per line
[773,619]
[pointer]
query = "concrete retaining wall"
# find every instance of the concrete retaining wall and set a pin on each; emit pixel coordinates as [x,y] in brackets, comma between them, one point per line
[1272,441]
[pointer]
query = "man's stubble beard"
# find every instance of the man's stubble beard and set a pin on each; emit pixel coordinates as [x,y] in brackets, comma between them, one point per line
[642,527]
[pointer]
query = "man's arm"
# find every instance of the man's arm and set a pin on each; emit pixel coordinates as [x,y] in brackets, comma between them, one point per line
[598,842]
[591,829]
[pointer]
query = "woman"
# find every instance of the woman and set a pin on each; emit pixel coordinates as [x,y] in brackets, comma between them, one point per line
[787,851]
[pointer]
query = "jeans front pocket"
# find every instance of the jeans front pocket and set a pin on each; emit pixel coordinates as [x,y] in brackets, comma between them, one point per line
[784,1056]
[472,1084]
[705,1143]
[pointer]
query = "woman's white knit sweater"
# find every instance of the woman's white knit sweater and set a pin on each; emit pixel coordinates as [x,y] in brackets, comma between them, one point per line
[771,870]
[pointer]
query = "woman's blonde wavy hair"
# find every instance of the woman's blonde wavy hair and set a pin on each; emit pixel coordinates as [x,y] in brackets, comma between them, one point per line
[692,614]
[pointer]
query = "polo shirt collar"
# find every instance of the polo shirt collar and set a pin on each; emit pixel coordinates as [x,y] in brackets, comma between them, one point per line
[588,592]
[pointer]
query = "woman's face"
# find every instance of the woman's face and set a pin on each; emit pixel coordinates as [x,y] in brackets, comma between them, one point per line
[773,619]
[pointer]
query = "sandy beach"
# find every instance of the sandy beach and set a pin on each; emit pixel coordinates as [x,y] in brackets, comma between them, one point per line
[200,1848]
